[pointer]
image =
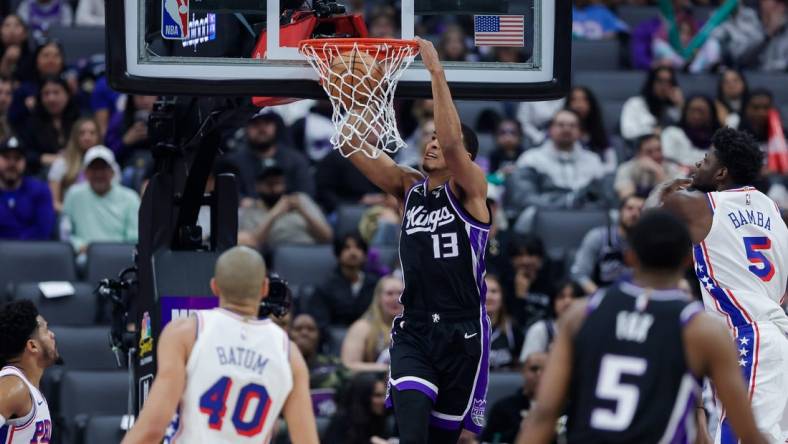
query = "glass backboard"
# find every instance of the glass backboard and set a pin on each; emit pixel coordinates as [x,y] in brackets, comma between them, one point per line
[492,49]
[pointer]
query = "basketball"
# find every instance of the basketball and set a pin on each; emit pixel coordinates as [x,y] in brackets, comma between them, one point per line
[354,77]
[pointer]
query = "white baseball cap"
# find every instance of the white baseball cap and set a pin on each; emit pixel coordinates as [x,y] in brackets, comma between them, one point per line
[100,152]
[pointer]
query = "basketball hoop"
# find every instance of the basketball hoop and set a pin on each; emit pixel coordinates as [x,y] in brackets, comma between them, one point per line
[360,77]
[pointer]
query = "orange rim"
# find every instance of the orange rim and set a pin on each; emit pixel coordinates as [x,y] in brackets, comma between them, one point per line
[365,44]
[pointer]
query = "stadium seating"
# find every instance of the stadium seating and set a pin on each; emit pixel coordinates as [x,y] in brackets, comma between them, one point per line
[79,42]
[77,309]
[595,55]
[336,334]
[348,217]
[103,430]
[501,385]
[304,264]
[562,231]
[87,393]
[85,348]
[107,259]
[25,261]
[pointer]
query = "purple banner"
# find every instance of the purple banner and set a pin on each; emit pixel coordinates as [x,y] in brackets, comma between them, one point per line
[174,307]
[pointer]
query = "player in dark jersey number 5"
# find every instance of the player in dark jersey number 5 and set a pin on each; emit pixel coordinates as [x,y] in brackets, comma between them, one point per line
[440,347]
[631,358]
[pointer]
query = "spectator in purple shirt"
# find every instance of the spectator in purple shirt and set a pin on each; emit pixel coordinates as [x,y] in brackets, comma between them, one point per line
[26,211]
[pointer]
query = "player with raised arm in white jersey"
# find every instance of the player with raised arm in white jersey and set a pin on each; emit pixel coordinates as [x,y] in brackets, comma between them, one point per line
[27,348]
[228,374]
[741,260]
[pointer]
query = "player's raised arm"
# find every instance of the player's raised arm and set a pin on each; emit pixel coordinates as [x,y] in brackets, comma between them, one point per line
[448,128]
[298,407]
[540,424]
[386,174]
[689,206]
[711,352]
[159,408]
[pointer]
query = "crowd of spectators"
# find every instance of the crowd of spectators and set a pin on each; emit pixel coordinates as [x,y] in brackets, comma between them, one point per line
[74,161]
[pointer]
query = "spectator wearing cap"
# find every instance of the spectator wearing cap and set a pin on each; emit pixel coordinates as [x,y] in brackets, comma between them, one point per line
[26,211]
[264,136]
[278,217]
[99,209]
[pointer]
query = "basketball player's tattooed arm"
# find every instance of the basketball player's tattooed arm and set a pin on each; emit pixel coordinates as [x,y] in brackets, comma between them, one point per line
[15,401]
[689,206]
[710,352]
[386,174]
[540,424]
[298,407]
[466,174]
[173,350]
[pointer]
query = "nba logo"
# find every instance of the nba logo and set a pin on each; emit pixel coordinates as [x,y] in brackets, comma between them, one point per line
[175,19]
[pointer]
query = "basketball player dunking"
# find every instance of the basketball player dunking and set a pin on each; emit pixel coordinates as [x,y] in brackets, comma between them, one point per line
[440,346]
[631,357]
[228,374]
[741,259]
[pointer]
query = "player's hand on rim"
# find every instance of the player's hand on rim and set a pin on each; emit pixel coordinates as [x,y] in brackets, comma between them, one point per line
[429,56]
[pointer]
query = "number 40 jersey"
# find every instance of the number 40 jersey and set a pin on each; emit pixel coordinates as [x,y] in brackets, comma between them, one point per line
[238,378]
[742,265]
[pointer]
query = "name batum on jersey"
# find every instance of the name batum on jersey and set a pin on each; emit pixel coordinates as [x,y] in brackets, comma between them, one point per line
[750,217]
[242,357]
[633,326]
[418,220]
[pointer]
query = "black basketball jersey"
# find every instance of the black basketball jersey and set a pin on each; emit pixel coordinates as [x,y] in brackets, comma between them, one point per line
[630,380]
[441,249]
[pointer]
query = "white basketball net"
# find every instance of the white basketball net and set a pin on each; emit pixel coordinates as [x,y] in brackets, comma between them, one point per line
[363,99]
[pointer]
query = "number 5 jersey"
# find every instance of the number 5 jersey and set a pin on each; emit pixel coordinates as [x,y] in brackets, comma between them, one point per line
[238,378]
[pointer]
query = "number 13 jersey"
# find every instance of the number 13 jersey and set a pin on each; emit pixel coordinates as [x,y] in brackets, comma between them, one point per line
[238,378]
[442,252]
[742,265]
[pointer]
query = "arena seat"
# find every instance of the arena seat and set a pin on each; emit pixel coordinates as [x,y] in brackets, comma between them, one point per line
[103,430]
[611,113]
[85,348]
[27,261]
[595,55]
[107,259]
[501,385]
[304,264]
[348,217]
[87,393]
[79,42]
[614,86]
[336,334]
[77,309]
[774,82]
[693,84]
[632,15]
[563,230]
[486,144]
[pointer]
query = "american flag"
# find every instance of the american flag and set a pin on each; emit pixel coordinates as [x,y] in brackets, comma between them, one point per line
[499,30]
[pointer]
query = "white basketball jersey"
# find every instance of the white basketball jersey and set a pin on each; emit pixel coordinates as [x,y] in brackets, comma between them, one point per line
[742,264]
[238,378]
[33,428]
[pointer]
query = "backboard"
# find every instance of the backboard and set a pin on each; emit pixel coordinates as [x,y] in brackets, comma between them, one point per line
[491,49]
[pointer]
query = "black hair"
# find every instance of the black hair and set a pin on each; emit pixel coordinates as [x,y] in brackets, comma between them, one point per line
[622,203]
[577,292]
[756,92]
[594,123]
[339,242]
[761,134]
[355,411]
[721,97]
[18,322]
[516,123]
[39,76]
[526,244]
[470,141]
[739,153]
[656,106]
[564,110]
[70,112]
[641,140]
[702,140]
[660,241]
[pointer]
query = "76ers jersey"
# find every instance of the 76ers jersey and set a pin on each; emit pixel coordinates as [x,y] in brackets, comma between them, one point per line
[742,264]
[33,428]
[442,252]
[238,378]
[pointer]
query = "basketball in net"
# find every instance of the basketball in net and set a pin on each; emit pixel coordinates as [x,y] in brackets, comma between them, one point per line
[360,77]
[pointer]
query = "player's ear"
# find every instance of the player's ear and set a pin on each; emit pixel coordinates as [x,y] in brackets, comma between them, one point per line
[264,289]
[721,174]
[214,287]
